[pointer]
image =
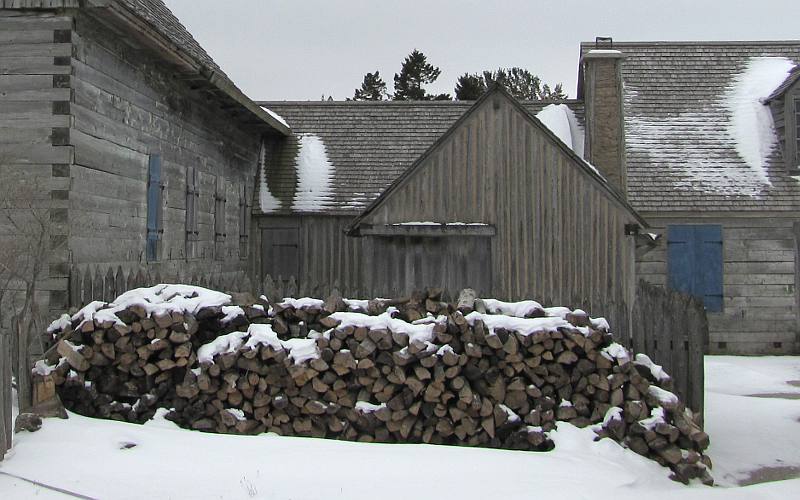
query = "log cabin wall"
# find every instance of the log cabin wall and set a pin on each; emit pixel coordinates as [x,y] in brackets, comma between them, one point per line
[126,107]
[560,234]
[35,51]
[759,280]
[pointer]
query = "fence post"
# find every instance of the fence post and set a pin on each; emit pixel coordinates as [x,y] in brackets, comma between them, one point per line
[6,429]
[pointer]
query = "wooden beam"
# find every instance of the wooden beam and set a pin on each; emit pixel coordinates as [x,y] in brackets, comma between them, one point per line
[432,230]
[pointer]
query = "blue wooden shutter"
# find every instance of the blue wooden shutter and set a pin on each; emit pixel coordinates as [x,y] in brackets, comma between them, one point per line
[680,258]
[694,257]
[153,206]
[192,203]
[709,256]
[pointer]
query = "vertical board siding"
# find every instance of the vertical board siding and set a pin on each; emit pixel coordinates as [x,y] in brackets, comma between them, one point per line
[325,254]
[560,237]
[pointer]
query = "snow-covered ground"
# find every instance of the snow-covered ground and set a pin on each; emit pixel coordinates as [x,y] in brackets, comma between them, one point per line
[753,418]
[94,458]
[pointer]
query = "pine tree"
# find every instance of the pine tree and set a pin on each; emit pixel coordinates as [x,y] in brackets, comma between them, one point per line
[470,87]
[556,94]
[416,72]
[519,82]
[373,88]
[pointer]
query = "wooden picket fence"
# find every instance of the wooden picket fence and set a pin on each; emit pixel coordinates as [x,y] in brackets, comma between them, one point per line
[90,283]
[672,329]
[6,425]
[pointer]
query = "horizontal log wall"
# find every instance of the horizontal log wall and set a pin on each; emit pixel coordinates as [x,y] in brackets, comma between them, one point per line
[34,153]
[760,312]
[127,106]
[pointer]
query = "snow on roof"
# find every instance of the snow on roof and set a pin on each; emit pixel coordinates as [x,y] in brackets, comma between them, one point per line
[751,124]
[267,201]
[561,121]
[276,116]
[680,101]
[314,175]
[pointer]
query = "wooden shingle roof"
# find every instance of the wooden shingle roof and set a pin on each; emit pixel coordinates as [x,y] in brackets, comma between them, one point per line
[368,145]
[158,15]
[683,133]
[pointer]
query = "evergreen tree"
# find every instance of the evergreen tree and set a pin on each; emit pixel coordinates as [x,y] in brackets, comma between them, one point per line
[556,94]
[519,82]
[416,72]
[470,87]
[373,88]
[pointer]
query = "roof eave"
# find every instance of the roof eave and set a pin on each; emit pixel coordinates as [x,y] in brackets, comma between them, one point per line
[186,62]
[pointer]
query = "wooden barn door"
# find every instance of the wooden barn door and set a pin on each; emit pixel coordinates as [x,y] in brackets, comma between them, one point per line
[403,264]
[280,252]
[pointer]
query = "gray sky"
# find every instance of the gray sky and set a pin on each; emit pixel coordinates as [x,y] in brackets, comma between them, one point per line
[301,49]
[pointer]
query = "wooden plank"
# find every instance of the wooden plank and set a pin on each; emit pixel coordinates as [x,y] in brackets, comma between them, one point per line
[759,268]
[39,21]
[42,65]
[37,50]
[27,36]
[48,95]
[35,153]
[105,156]
[5,394]
[15,83]
[40,4]
[438,230]
[26,135]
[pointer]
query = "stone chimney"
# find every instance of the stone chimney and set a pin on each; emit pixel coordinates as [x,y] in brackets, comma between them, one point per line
[601,89]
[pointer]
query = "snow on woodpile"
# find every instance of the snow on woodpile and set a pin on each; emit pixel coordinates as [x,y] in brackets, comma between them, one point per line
[157,300]
[314,175]
[414,370]
[750,124]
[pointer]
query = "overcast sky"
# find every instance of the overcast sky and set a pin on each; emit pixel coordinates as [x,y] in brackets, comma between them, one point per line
[301,49]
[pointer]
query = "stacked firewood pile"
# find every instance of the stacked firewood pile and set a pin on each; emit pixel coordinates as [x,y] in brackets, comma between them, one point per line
[419,370]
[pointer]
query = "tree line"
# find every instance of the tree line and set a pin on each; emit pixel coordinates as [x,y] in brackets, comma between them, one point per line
[416,72]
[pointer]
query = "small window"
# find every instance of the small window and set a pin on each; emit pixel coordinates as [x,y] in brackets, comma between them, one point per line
[220,199]
[797,133]
[192,204]
[155,227]
[694,262]
[244,222]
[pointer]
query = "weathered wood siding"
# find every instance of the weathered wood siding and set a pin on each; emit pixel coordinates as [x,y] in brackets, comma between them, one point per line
[325,255]
[34,72]
[760,289]
[126,105]
[560,236]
